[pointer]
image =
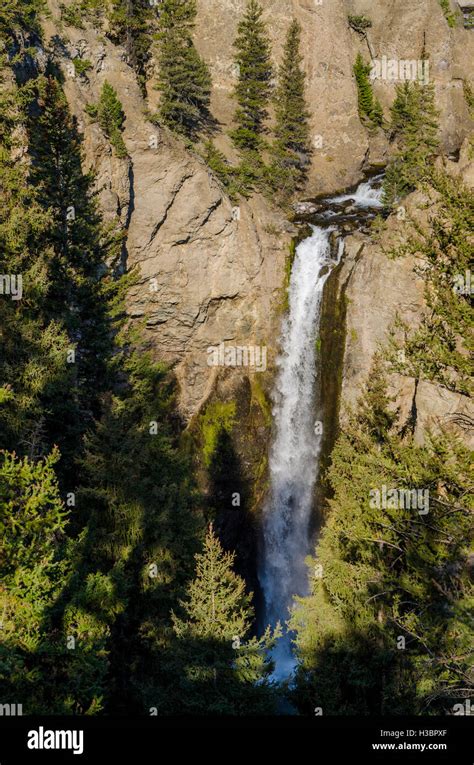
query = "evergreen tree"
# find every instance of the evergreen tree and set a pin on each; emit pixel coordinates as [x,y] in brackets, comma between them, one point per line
[49,664]
[64,307]
[415,128]
[32,522]
[440,348]
[33,342]
[369,106]
[110,116]
[183,77]
[384,630]
[128,551]
[131,24]
[291,148]
[130,487]
[79,11]
[22,14]
[79,285]
[138,505]
[253,89]
[220,669]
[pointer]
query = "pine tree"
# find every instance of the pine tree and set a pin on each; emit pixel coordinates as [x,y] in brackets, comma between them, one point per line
[51,664]
[439,349]
[221,669]
[415,128]
[78,283]
[375,414]
[183,77]
[253,89]
[33,343]
[132,533]
[369,106]
[22,14]
[111,117]
[138,504]
[384,630]
[32,522]
[131,24]
[291,149]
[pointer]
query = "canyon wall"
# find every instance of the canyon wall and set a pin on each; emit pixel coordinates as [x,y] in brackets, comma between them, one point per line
[211,271]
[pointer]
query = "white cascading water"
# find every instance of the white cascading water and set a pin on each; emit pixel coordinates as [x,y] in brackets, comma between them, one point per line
[366,195]
[295,449]
[294,455]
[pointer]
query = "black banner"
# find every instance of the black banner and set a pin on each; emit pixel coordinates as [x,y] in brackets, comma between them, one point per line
[107,739]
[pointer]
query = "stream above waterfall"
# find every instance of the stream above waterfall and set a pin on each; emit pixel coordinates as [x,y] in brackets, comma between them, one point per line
[297,409]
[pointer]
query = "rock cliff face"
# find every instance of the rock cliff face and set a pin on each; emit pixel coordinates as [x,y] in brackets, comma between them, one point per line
[209,271]
[376,289]
[212,273]
[401,29]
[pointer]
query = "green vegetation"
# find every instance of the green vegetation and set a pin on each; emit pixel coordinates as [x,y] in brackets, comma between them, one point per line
[110,116]
[359,23]
[225,172]
[185,85]
[369,107]
[289,153]
[33,567]
[448,13]
[131,25]
[291,150]
[19,14]
[253,88]
[441,348]
[81,66]
[260,396]
[221,669]
[414,126]
[468,95]
[183,77]
[218,417]
[55,353]
[289,260]
[386,628]
[80,11]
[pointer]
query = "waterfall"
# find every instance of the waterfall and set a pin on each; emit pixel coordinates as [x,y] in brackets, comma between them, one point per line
[296,445]
[367,194]
[297,442]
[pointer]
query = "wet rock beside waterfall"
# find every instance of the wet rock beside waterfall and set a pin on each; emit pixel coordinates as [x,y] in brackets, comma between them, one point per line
[306,208]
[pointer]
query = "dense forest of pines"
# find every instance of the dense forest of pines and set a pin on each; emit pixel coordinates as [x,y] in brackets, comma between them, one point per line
[116,595]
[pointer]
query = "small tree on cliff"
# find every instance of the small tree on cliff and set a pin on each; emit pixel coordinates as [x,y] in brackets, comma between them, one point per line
[369,106]
[253,88]
[130,22]
[291,149]
[110,116]
[415,128]
[183,79]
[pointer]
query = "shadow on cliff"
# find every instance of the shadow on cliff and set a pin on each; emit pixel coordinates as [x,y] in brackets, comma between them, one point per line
[228,503]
